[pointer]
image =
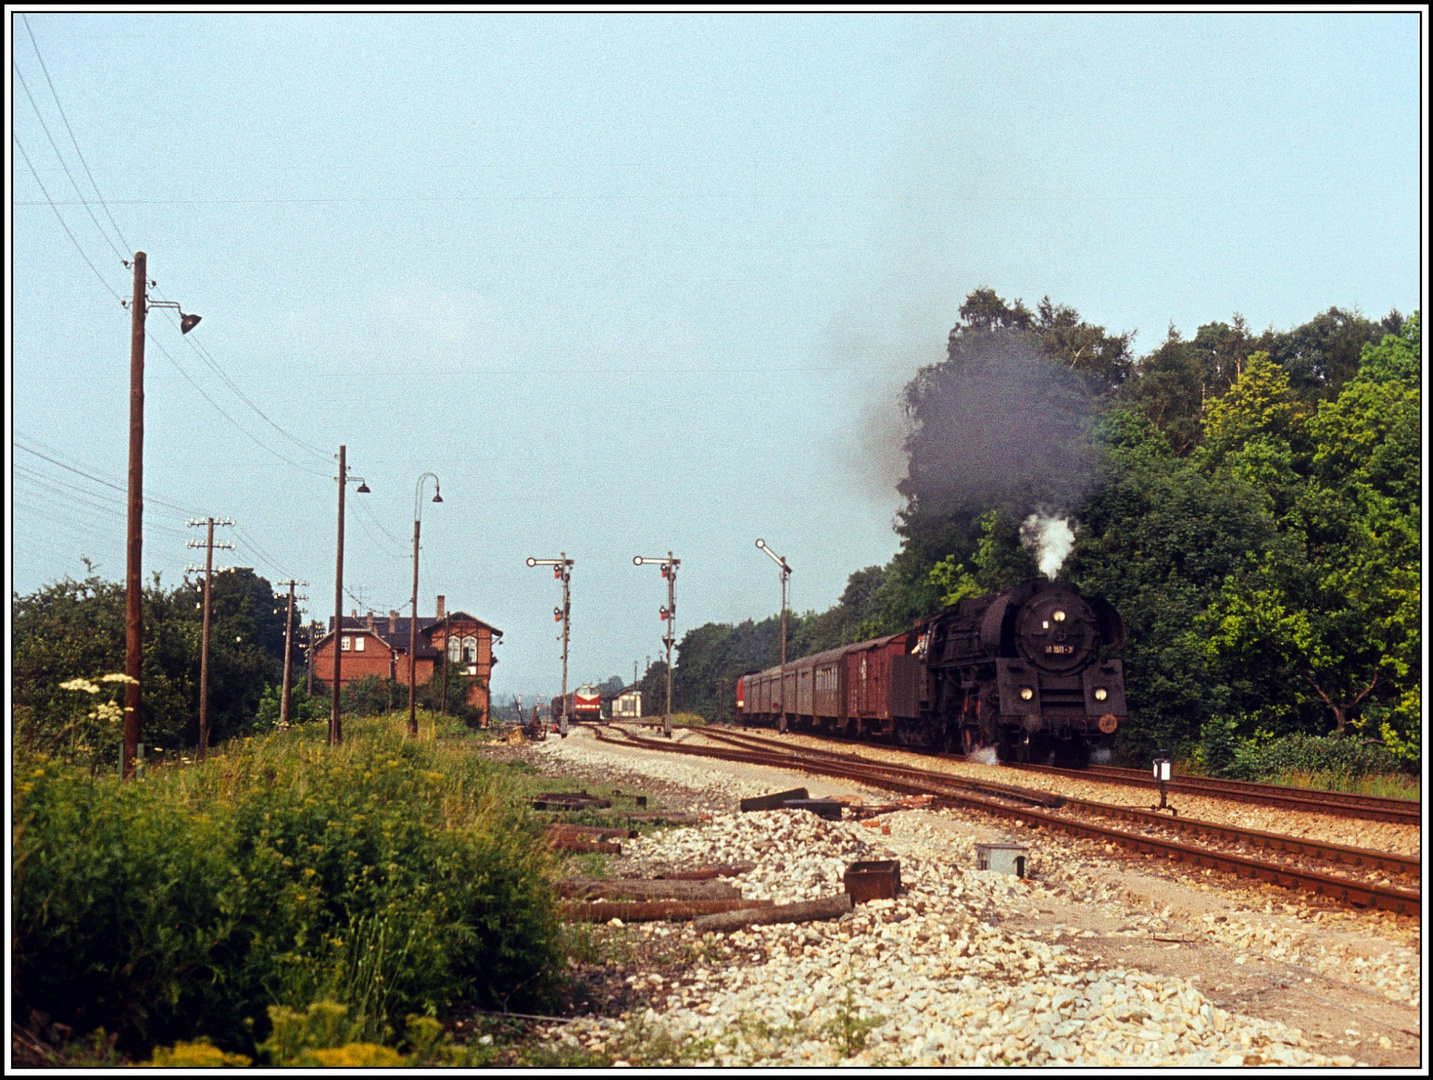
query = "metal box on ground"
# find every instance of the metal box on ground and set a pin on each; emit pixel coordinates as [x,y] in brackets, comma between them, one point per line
[1003,858]
[880,880]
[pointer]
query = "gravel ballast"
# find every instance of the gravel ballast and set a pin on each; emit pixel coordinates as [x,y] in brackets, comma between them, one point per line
[969,967]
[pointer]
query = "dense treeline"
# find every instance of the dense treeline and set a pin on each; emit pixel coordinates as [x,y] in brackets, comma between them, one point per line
[1250,502]
[74,630]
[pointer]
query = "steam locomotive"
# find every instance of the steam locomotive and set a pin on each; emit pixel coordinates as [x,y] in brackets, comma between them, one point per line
[1020,674]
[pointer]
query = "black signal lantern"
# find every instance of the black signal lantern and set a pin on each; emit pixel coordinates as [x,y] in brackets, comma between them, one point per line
[663,611]
[557,614]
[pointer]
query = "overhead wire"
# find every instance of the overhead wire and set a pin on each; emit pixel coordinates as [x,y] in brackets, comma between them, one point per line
[36,45]
[15,67]
[202,352]
[60,217]
[245,431]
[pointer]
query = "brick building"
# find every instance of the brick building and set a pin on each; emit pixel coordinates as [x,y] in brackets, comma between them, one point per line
[375,645]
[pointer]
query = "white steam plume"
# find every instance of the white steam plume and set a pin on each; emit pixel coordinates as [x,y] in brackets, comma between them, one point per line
[1050,538]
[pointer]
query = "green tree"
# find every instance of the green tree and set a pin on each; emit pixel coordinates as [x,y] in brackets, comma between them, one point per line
[1333,609]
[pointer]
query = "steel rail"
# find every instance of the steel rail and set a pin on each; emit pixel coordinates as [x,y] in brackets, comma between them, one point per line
[1334,888]
[1308,800]
[1365,858]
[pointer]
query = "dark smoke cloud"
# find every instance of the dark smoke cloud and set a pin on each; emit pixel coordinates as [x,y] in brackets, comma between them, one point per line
[997,425]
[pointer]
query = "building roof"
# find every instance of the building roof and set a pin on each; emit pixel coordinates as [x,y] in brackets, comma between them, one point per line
[397,640]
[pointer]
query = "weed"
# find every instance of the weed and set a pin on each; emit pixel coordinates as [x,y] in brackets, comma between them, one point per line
[848,1028]
[592,864]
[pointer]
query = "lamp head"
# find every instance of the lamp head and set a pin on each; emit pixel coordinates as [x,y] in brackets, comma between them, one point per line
[187,322]
[362,489]
[437,496]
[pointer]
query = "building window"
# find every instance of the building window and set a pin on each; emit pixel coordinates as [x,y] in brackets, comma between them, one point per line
[455,649]
[358,644]
[347,644]
[470,650]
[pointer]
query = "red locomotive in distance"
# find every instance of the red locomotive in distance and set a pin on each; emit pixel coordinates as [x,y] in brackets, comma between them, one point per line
[584,703]
[1021,673]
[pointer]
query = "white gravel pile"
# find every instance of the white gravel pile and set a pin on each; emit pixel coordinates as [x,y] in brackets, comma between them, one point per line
[928,979]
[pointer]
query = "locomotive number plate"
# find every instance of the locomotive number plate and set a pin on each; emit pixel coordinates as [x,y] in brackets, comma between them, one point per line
[1059,650]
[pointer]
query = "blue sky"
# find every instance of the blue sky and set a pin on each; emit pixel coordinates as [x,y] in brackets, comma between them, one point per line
[632,283]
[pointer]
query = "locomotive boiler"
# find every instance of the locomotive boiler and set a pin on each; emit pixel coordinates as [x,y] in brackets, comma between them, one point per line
[1021,673]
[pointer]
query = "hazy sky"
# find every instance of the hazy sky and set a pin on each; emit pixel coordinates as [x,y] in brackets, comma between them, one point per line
[631,283]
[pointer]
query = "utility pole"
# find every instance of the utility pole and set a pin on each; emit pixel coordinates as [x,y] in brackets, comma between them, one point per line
[311,627]
[285,702]
[785,576]
[562,570]
[443,656]
[335,724]
[139,306]
[669,615]
[413,622]
[208,544]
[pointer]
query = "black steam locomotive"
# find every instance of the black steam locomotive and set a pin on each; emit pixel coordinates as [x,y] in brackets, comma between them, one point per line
[1018,674]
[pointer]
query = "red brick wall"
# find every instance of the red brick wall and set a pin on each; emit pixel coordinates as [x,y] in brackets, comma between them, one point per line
[373,660]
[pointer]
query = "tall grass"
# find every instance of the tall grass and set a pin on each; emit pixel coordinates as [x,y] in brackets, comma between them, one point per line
[389,874]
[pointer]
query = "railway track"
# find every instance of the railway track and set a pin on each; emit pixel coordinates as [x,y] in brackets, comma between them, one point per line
[1073,816]
[1337,803]
[1277,796]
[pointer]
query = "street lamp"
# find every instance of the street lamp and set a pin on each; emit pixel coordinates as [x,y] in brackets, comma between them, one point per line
[413,622]
[669,615]
[785,576]
[562,570]
[139,307]
[335,725]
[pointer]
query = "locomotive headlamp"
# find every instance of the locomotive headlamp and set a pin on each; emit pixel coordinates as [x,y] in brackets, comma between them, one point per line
[1059,616]
[1026,693]
[1101,694]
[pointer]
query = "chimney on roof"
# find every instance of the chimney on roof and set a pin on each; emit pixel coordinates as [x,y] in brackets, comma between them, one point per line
[355,613]
[370,620]
[392,623]
[442,610]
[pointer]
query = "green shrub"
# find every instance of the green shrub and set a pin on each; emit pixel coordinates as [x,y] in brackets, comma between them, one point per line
[388,874]
[1310,754]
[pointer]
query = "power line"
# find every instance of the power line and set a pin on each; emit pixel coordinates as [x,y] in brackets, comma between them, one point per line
[245,431]
[76,142]
[16,139]
[46,128]
[189,510]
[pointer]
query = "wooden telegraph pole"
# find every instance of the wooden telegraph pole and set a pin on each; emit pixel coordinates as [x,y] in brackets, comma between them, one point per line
[208,545]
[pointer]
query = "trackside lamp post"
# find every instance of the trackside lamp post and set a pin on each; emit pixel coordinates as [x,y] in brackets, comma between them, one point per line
[1163,772]
[413,622]
[669,616]
[785,576]
[562,570]
[335,724]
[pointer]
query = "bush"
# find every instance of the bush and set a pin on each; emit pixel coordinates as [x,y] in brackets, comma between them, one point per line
[389,875]
[1310,754]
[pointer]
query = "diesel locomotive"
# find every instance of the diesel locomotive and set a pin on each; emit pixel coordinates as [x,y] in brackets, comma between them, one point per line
[1022,674]
[584,703]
